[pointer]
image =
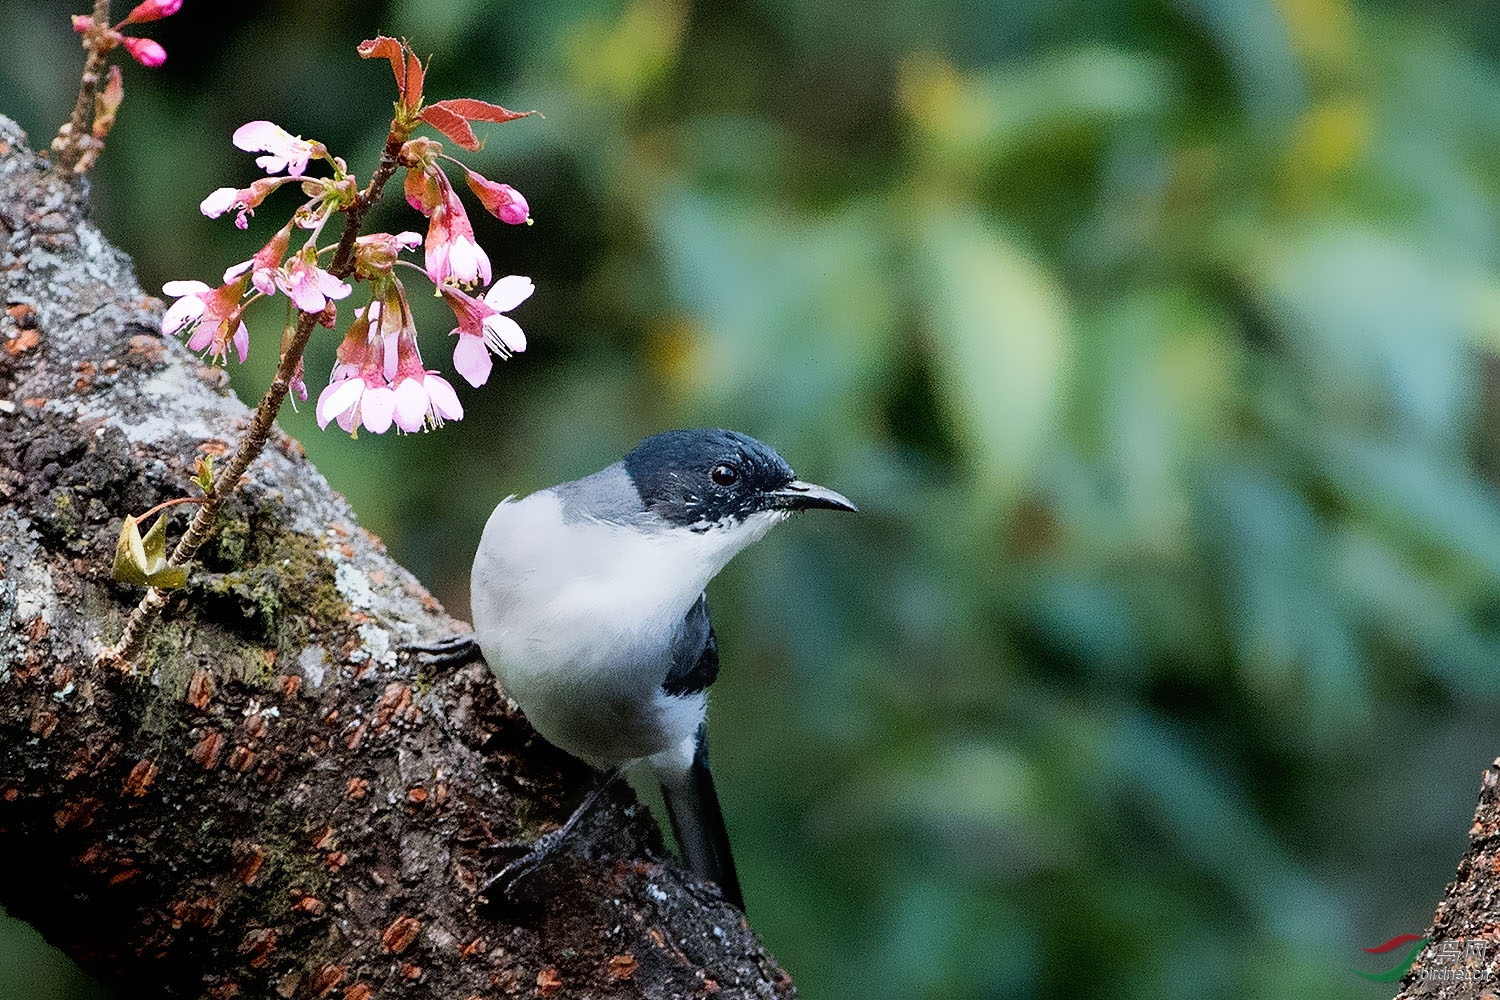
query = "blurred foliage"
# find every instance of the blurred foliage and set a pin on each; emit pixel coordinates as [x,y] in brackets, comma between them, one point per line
[1157,342]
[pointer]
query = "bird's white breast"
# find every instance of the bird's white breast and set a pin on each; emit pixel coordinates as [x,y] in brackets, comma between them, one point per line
[576,618]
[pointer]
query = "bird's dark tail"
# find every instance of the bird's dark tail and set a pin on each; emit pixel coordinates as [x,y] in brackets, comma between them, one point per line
[698,824]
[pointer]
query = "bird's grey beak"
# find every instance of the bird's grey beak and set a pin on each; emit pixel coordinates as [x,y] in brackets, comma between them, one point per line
[797,495]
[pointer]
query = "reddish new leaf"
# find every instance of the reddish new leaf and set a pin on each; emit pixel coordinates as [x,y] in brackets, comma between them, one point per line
[450,124]
[404,64]
[411,96]
[381,47]
[479,111]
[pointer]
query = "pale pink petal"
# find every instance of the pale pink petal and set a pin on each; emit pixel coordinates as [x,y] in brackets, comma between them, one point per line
[408,240]
[255,136]
[391,356]
[219,201]
[201,338]
[504,335]
[509,292]
[436,262]
[242,342]
[332,287]
[411,405]
[306,295]
[185,286]
[483,260]
[339,397]
[285,150]
[377,407]
[444,399]
[182,312]
[238,269]
[471,360]
[463,259]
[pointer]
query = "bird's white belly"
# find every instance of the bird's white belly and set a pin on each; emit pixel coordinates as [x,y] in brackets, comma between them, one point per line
[601,702]
[579,633]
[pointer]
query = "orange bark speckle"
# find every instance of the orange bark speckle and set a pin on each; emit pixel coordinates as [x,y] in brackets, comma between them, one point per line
[139,780]
[400,934]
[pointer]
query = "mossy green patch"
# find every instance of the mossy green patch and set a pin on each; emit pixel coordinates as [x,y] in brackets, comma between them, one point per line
[65,519]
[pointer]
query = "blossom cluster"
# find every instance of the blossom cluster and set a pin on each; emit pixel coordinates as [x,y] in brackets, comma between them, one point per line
[380,379]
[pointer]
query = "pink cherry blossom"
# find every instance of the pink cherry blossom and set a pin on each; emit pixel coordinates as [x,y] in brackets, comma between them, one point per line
[285,151]
[308,285]
[188,307]
[142,50]
[355,377]
[263,265]
[502,331]
[221,200]
[340,402]
[452,253]
[425,398]
[379,380]
[482,329]
[213,314]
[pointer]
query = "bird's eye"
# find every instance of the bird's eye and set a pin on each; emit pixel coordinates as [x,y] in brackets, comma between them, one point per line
[725,475]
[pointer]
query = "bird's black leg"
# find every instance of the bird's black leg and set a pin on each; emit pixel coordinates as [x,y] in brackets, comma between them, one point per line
[452,651]
[508,880]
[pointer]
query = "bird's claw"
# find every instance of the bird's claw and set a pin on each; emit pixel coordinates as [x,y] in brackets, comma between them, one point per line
[508,881]
[451,651]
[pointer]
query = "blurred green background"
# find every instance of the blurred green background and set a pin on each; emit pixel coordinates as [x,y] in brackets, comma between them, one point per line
[1158,341]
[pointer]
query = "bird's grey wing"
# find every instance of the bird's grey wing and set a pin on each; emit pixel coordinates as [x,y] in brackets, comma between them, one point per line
[695,653]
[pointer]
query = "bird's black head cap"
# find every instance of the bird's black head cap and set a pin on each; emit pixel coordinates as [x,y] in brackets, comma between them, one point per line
[696,477]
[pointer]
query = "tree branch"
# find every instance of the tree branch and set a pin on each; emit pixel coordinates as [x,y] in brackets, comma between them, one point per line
[1466,917]
[279,804]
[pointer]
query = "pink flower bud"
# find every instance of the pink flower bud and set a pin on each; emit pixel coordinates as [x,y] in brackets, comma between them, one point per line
[500,200]
[145,51]
[151,10]
[82,23]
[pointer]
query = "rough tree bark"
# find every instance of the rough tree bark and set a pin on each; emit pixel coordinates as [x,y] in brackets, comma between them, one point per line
[281,803]
[1462,958]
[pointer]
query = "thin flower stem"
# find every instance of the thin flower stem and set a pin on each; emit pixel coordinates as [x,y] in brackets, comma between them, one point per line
[171,503]
[124,652]
[76,146]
